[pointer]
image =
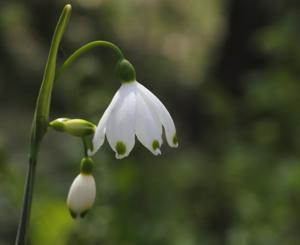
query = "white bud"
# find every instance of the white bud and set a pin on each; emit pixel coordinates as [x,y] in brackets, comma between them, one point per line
[81,195]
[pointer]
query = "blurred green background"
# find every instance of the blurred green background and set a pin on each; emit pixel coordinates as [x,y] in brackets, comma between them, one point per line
[227,70]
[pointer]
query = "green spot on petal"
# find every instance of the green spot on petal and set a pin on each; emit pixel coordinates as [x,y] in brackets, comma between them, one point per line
[155,144]
[73,214]
[84,213]
[175,140]
[120,148]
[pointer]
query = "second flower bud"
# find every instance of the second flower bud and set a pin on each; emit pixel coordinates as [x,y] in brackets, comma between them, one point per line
[75,127]
[82,192]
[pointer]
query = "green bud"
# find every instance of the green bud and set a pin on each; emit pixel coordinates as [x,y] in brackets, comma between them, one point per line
[75,127]
[125,71]
[58,124]
[86,165]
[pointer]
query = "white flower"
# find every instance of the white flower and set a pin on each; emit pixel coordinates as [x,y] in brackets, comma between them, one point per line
[81,195]
[134,110]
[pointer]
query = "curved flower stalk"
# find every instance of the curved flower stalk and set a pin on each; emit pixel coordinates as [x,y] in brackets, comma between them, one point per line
[134,111]
[82,192]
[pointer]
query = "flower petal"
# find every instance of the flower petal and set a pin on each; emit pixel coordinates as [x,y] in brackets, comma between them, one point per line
[162,113]
[148,127]
[121,123]
[81,195]
[99,135]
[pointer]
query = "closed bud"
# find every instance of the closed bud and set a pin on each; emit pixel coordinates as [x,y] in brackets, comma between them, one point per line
[81,195]
[75,127]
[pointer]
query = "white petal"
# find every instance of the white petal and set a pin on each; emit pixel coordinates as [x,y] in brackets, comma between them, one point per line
[162,113]
[121,123]
[82,194]
[148,126]
[99,135]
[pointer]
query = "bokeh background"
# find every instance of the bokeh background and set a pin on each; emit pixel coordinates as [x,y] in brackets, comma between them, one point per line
[227,70]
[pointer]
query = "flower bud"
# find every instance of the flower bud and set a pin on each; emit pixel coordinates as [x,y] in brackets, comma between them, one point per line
[81,195]
[75,127]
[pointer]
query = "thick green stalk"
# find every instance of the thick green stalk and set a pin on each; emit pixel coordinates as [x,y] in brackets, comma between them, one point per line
[40,123]
[41,116]
[25,216]
[85,48]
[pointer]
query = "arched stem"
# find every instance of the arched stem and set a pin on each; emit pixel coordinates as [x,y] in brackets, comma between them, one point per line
[85,48]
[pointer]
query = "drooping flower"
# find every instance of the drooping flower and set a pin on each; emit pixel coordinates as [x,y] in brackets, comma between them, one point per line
[134,111]
[82,192]
[82,195]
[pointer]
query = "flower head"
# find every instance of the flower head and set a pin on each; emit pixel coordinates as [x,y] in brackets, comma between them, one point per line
[134,111]
[82,192]
[81,195]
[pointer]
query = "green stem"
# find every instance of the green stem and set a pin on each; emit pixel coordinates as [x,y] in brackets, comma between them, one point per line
[40,123]
[24,221]
[85,146]
[41,117]
[85,48]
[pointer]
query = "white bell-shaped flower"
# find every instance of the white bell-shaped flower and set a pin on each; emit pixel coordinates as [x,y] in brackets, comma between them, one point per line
[134,111]
[81,195]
